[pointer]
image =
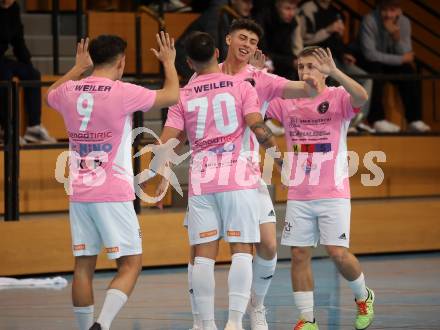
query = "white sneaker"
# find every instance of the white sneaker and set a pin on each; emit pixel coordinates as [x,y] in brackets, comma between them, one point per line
[418,126]
[384,126]
[352,130]
[257,316]
[276,130]
[365,128]
[38,133]
[229,326]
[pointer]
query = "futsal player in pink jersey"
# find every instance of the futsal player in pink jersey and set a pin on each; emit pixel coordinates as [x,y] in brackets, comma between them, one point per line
[97,112]
[214,111]
[242,41]
[318,207]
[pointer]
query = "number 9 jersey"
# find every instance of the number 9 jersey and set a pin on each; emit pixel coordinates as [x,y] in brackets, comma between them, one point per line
[212,110]
[97,113]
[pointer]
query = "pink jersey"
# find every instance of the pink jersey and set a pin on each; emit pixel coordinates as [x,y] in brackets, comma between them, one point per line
[97,113]
[212,110]
[268,87]
[316,136]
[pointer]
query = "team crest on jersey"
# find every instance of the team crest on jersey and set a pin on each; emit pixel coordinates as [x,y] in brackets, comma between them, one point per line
[323,107]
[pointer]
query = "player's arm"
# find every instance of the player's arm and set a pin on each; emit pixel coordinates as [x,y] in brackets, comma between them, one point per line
[300,89]
[263,134]
[327,66]
[83,62]
[169,94]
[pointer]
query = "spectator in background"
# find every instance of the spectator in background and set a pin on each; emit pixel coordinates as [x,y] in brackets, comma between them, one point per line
[282,37]
[11,33]
[235,9]
[322,25]
[385,42]
[207,22]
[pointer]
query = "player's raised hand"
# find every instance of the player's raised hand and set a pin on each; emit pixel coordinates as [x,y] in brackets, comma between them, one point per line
[83,60]
[166,52]
[258,59]
[326,64]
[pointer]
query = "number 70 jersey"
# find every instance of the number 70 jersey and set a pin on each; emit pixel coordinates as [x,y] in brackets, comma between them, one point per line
[212,110]
[97,113]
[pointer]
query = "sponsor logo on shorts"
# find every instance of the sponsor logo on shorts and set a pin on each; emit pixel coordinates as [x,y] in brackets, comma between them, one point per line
[234,233]
[112,249]
[79,247]
[343,236]
[208,233]
[287,226]
[271,213]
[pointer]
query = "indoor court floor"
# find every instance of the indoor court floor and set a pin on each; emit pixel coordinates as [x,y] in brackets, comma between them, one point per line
[407,288]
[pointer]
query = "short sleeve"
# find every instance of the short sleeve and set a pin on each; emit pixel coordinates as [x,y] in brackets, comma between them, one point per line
[271,86]
[57,96]
[348,112]
[249,96]
[175,118]
[275,110]
[137,98]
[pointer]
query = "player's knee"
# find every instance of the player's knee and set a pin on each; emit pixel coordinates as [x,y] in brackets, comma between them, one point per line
[337,254]
[300,255]
[130,264]
[267,249]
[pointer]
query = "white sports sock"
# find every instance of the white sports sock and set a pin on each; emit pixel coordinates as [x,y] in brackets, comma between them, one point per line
[114,300]
[304,302]
[262,271]
[359,288]
[195,313]
[239,282]
[84,316]
[203,283]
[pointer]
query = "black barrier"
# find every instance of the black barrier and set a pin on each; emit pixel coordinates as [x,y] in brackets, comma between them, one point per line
[56,36]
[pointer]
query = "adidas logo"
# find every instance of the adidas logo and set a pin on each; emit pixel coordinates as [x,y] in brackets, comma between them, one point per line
[271,213]
[342,236]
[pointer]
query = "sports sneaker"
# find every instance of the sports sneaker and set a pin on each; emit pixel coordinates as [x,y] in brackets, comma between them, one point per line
[365,313]
[384,126]
[257,316]
[38,133]
[276,130]
[365,128]
[306,325]
[96,326]
[418,126]
[230,326]
[352,130]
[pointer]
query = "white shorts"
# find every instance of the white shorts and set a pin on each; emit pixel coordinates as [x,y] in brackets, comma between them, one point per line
[233,215]
[322,220]
[113,225]
[267,210]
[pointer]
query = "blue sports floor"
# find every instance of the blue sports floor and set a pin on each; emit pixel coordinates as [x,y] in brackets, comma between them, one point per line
[407,297]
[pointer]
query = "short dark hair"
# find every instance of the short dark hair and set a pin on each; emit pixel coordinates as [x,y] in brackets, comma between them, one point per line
[307,51]
[247,24]
[200,46]
[105,48]
[388,3]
